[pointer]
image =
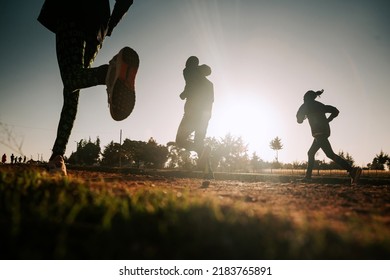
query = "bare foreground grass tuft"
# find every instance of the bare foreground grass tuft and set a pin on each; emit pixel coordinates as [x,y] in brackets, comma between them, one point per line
[100,215]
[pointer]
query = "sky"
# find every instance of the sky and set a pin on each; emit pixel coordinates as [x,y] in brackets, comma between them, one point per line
[264,56]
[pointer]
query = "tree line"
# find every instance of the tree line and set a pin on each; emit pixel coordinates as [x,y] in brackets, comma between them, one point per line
[230,154]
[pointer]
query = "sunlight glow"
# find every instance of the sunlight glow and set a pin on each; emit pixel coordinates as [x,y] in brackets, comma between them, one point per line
[247,116]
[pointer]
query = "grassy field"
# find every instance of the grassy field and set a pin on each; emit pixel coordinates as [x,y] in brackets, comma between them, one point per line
[112,215]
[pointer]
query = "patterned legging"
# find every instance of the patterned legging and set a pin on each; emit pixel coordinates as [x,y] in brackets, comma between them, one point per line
[75,54]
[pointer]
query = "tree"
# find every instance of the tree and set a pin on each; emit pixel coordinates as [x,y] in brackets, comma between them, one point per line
[232,153]
[276,145]
[155,155]
[148,154]
[179,158]
[256,162]
[132,152]
[215,156]
[87,152]
[111,154]
[380,160]
[227,154]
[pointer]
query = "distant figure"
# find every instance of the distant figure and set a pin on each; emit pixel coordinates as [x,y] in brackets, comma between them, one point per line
[316,112]
[199,95]
[12,158]
[4,158]
[80,27]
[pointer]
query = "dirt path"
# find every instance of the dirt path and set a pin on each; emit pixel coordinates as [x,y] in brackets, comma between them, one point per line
[340,207]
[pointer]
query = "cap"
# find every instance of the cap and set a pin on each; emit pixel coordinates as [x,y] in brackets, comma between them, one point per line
[311,95]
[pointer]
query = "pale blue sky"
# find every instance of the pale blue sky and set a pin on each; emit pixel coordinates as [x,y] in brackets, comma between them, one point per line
[264,55]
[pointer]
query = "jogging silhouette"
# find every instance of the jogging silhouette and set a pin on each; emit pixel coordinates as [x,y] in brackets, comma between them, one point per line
[199,96]
[316,113]
[80,27]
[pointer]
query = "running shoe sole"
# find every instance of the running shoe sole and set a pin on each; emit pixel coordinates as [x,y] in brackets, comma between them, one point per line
[120,83]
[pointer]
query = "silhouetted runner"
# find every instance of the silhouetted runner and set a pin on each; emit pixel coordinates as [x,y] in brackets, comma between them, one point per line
[316,112]
[80,27]
[199,95]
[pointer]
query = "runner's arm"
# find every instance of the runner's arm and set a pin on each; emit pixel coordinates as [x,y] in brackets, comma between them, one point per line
[334,112]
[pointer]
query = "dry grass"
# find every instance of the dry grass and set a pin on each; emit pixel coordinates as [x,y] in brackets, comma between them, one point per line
[111,215]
